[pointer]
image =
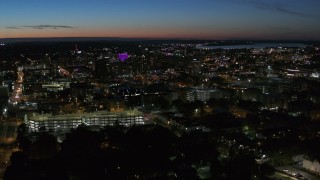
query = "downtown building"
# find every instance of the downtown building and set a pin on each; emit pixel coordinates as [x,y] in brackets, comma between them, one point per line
[66,122]
[199,93]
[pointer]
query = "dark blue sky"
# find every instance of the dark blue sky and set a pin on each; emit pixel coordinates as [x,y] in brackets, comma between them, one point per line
[204,19]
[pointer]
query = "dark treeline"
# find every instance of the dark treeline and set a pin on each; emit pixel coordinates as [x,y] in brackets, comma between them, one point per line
[138,152]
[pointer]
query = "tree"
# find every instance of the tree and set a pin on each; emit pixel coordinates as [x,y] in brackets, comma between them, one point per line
[46,145]
[81,153]
[23,140]
[17,169]
[148,150]
[162,102]
[216,168]
[197,148]
[249,105]
[241,166]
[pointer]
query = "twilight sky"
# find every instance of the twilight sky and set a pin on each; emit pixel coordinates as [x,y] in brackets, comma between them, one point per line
[194,19]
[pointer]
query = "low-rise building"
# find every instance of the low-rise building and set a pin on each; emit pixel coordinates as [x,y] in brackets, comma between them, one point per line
[311,164]
[63,123]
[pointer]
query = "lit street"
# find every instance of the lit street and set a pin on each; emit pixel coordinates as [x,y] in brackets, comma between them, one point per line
[293,171]
[7,138]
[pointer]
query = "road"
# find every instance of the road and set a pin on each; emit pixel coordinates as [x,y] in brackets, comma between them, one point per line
[8,133]
[281,176]
[292,169]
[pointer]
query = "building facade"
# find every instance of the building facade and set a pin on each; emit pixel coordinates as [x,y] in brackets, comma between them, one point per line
[63,123]
[311,165]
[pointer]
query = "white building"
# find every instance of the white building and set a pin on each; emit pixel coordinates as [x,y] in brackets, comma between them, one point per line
[312,165]
[66,122]
[199,93]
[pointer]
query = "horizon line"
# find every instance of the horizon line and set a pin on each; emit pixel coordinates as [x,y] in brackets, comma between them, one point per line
[150,38]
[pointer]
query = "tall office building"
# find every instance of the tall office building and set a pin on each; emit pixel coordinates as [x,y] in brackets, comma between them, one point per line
[103,68]
[143,65]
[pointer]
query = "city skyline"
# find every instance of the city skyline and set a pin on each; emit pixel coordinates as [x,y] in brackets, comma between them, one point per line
[204,19]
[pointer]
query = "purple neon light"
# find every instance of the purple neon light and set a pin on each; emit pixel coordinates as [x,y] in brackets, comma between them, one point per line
[123,56]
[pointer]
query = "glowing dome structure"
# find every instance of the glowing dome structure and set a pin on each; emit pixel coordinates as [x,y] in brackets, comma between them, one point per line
[123,56]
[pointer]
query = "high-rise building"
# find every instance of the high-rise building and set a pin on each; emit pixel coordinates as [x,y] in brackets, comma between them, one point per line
[143,65]
[103,68]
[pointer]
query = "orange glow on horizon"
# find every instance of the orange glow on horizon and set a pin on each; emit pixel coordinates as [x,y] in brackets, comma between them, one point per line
[124,32]
[114,32]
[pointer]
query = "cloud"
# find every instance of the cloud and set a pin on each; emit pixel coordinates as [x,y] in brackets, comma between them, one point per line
[43,27]
[12,27]
[278,28]
[279,9]
[272,7]
[50,27]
